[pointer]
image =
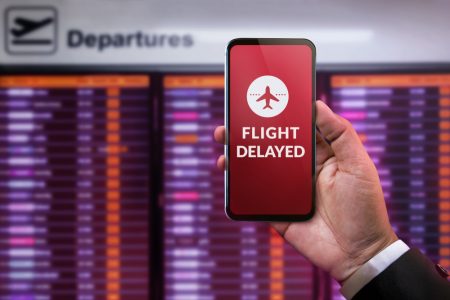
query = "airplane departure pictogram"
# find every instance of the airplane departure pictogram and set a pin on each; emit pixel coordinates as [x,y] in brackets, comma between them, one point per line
[27,26]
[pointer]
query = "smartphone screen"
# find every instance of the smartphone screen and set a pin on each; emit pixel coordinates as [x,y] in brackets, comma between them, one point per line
[270,122]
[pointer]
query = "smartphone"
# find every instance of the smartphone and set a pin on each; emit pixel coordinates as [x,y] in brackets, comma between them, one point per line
[270,129]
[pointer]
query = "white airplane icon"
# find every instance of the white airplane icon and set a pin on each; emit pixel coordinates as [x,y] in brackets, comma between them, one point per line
[267,96]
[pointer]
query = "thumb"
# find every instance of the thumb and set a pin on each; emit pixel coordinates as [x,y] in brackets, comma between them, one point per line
[343,139]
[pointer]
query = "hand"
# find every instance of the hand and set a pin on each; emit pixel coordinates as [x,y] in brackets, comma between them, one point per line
[350,224]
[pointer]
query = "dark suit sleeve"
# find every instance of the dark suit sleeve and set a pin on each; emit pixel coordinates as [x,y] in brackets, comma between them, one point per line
[411,277]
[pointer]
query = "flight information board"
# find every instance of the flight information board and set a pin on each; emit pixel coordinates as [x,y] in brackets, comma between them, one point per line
[207,256]
[75,191]
[404,123]
[74,187]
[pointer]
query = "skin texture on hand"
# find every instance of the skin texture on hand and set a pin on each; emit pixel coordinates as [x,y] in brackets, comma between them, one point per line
[350,224]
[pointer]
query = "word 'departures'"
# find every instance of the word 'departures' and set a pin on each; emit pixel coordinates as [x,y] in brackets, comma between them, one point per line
[270,133]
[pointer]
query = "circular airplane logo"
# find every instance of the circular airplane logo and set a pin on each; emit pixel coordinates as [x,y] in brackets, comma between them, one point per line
[267,96]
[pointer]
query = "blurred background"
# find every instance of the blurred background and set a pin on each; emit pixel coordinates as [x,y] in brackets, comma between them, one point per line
[108,184]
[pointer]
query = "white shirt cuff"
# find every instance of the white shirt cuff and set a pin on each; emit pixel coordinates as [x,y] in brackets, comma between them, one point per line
[372,268]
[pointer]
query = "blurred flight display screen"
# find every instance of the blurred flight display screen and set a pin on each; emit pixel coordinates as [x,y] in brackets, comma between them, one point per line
[208,256]
[74,187]
[404,123]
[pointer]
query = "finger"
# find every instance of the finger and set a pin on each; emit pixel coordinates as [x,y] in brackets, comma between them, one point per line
[219,134]
[323,151]
[343,139]
[221,163]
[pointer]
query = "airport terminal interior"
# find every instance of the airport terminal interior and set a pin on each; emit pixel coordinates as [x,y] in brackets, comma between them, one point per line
[108,181]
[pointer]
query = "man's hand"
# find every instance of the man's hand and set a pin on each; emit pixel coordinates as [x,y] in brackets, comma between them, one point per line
[350,224]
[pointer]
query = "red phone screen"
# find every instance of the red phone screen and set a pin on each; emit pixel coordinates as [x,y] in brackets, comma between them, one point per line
[270,124]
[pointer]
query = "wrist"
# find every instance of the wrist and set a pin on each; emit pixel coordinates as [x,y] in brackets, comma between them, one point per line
[372,268]
[358,258]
